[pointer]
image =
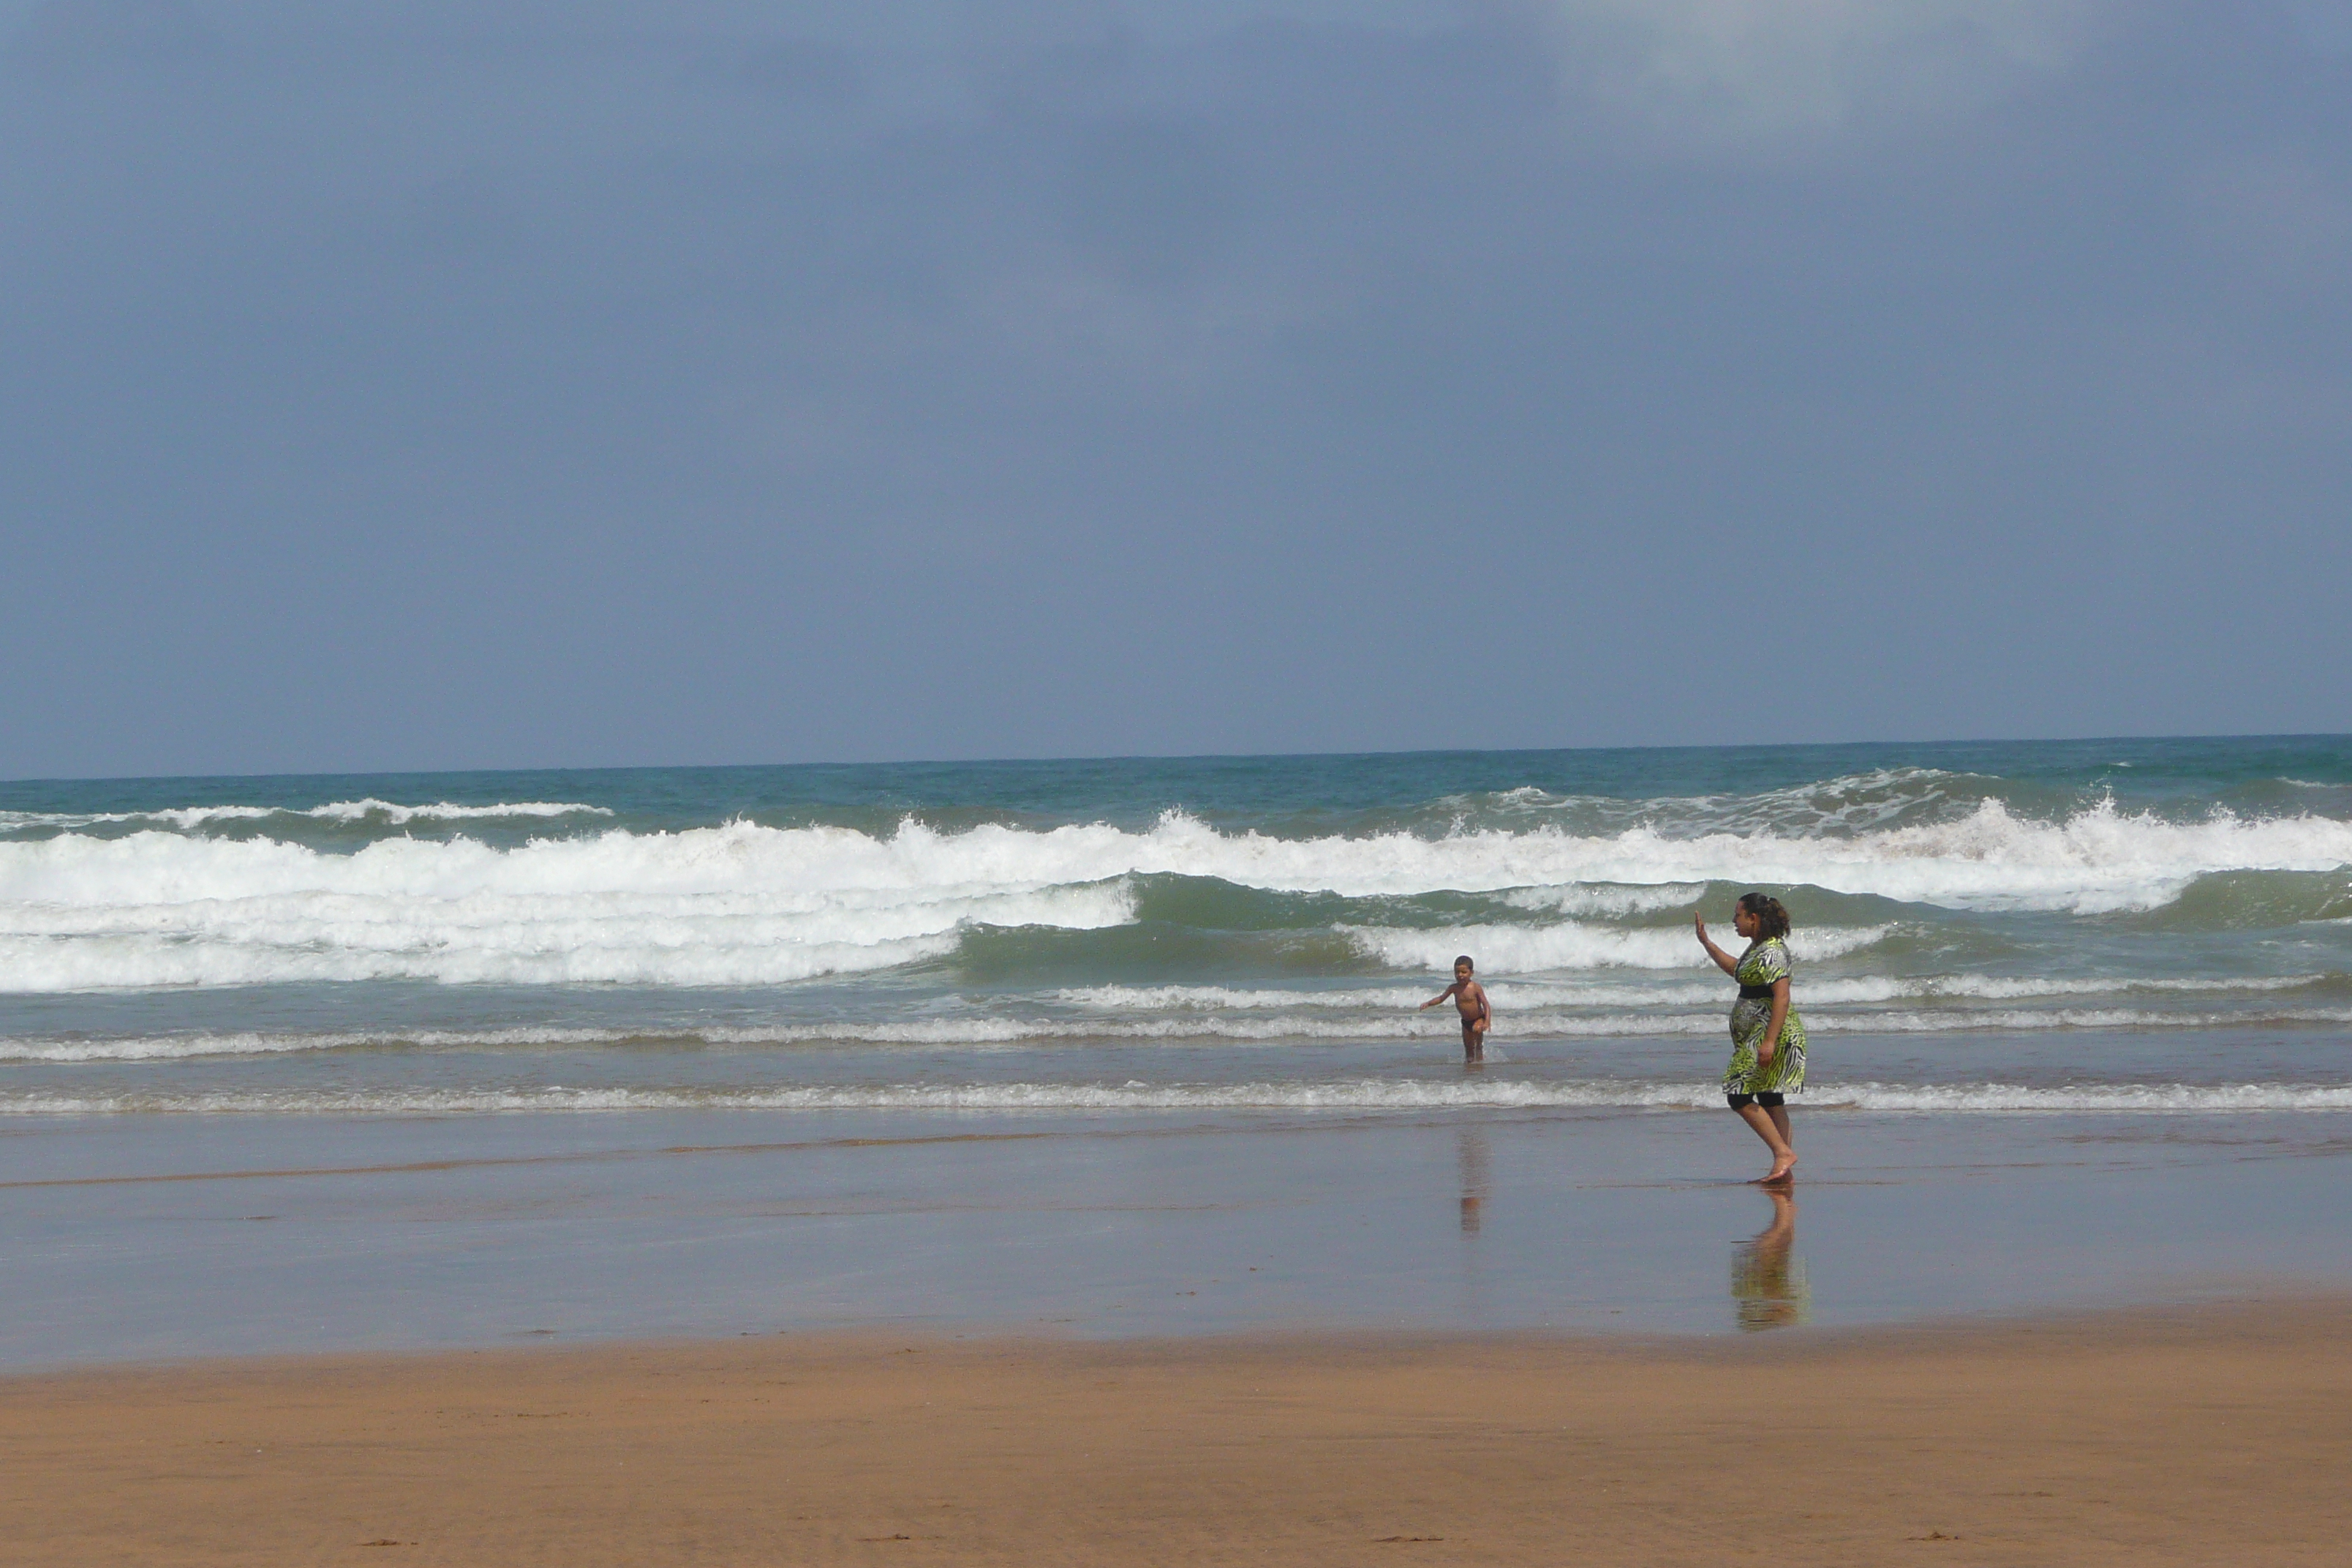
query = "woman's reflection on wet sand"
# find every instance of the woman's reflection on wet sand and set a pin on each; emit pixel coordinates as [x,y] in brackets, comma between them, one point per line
[1768,1279]
[1476,1162]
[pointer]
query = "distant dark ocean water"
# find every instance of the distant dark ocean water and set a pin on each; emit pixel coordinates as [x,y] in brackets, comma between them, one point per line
[2152,925]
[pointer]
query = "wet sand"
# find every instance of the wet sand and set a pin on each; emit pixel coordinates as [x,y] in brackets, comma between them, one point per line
[2185,1435]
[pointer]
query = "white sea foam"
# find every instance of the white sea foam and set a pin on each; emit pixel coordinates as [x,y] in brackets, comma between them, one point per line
[941,1032]
[2007,987]
[745,904]
[1173,998]
[620,910]
[2134,1098]
[1531,1026]
[190,817]
[1516,995]
[1178,1027]
[1815,994]
[2101,858]
[1607,900]
[1537,1024]
[1355,1096]
[252,1043]
[2025,1020]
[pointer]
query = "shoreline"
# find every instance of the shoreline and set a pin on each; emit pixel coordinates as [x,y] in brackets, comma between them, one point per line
[2182,1433]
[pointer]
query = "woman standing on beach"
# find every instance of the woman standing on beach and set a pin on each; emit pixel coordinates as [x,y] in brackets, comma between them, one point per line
[1767,1038]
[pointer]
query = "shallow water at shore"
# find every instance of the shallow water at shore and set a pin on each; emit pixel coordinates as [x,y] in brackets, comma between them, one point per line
[232,1236]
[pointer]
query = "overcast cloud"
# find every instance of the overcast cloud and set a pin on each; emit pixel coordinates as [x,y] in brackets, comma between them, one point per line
[506,383]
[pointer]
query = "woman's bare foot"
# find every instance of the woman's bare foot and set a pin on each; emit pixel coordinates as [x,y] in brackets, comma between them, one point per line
[1782,1174]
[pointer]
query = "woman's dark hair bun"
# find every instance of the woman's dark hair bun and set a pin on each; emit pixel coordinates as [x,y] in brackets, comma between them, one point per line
[1771,915]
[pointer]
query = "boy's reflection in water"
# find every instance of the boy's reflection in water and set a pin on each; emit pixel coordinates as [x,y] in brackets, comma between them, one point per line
[1768,1279]
[1477,1166]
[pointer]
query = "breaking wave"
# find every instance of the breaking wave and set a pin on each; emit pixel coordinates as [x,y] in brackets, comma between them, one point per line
[1518,950]
[189,818]
[746,904]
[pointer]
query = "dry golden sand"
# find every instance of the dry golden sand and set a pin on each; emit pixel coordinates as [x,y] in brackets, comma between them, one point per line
[2208,1435]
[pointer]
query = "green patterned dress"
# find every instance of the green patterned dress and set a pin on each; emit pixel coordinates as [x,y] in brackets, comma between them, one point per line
[1764,963]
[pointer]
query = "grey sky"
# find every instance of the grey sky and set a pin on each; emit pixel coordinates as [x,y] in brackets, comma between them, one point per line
[443,385]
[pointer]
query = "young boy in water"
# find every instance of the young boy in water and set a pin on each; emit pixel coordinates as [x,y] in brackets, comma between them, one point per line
[1471,998]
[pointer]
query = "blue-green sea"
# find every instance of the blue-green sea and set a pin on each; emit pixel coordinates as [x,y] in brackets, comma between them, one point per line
[1980,927]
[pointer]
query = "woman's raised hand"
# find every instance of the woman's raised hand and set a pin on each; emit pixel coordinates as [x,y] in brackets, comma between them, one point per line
[1723,959]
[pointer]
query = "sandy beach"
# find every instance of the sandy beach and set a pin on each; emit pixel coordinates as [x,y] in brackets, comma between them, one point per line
[2184,1435]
